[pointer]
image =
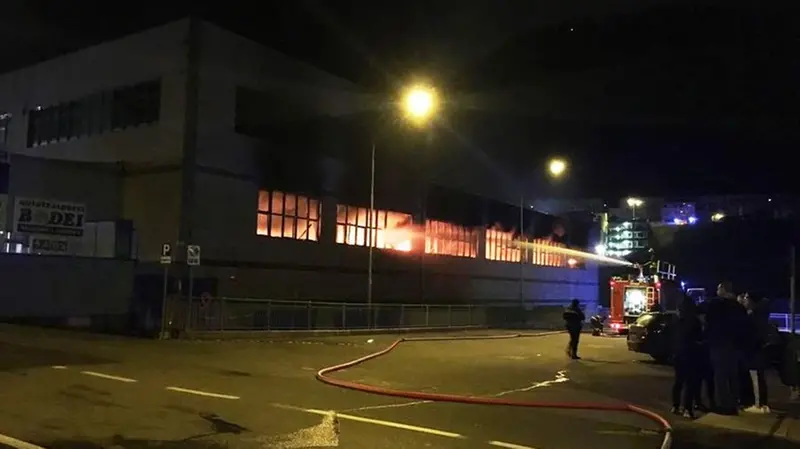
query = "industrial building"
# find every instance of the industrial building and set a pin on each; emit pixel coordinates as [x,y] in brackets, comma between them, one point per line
[189,134]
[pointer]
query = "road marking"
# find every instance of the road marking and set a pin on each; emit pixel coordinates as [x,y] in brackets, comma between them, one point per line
[109,376]
[509,445]
[18,444]
[380,407]
[202,393]
[561,376]
[58,367]
[377,422]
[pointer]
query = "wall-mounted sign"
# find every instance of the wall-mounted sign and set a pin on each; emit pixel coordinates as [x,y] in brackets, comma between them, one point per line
[50,217]
[43,244]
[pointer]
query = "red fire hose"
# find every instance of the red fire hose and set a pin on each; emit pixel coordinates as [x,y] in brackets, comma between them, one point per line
[322,376]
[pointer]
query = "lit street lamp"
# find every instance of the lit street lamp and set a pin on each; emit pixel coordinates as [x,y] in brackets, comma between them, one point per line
[556,168]
[418,105]
[633,203]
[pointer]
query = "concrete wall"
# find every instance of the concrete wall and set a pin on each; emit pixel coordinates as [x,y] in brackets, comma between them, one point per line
[331,272]
[145,186]
[140,57]
[95,185]
[63,287]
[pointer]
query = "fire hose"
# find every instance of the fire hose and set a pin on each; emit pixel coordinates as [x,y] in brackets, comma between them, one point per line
[322,376]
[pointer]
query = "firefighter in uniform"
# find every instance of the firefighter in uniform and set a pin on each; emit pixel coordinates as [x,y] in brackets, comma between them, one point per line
[573,321]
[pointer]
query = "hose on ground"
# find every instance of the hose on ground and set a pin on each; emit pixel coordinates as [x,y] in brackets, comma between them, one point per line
[322,376]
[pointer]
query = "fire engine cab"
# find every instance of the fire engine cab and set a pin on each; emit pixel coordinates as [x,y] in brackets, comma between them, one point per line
[636,294]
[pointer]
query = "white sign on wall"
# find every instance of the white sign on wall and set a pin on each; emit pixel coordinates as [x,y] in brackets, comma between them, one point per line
[49,217]
[45,244]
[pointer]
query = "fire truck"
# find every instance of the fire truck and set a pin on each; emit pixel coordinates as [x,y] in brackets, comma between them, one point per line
[653,287]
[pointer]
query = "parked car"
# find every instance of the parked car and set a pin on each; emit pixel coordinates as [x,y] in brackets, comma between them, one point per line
[652,334]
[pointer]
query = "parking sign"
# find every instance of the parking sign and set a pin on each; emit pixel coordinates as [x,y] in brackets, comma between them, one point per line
[166,253]
[193,254]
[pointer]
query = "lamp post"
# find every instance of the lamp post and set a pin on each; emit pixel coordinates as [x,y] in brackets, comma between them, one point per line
[418,105]
[556,168]
[633,203]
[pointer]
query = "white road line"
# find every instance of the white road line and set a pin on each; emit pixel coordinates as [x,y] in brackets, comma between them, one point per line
[109,376]
[18,444]
[378,422]
[202,393]
[397,425]
[509,445]
[384,406]
[58,367]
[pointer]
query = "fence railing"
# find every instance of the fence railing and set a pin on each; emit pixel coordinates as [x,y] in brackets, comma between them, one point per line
[784,321]
[243,314]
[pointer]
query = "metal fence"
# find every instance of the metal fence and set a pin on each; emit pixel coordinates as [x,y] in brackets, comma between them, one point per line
[784,321]
[242,314]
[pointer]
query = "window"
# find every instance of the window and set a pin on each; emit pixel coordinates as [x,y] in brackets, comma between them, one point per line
[541,255]
[286,215]
[500,245]
[98,113]
[450,239]
[5,125]
[388,230]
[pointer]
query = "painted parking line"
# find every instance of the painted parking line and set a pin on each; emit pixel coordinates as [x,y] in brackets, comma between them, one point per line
[18,444]
[109,376]
[202,393]
[397,425]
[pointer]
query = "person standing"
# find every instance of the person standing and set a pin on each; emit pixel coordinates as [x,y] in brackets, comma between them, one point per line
[756,356]
[688,352]
[573,321]
[725,319]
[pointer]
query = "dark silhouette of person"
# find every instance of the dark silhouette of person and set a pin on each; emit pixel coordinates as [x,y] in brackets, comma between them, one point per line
[756,354]
[573,322]
[688,337]
[725,320]
[706,373]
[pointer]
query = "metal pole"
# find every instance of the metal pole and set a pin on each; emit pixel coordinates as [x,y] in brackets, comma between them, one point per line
[792,288]
[369,234]
[189,300]
[163,331]
[521,248]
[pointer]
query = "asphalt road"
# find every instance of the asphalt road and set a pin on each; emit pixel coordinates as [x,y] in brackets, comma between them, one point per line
[71,390]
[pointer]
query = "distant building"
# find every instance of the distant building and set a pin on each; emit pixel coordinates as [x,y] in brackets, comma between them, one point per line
[626,237]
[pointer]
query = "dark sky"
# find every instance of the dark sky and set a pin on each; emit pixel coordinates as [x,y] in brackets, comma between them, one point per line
[643,96]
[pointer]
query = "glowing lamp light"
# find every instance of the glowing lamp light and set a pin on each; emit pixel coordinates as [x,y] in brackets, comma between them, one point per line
[692,220]
[572,262]
[718,216]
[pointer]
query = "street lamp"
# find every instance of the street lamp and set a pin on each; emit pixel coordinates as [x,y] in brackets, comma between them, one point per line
[633,203]
[556,168]
[418,105]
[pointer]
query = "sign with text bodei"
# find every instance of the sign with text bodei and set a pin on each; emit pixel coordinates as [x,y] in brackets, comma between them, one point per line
[49,217]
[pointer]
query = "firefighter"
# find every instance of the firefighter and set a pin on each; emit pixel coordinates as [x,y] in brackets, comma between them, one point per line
[573,322]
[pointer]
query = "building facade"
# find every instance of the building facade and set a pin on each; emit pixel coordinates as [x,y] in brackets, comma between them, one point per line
[189,134]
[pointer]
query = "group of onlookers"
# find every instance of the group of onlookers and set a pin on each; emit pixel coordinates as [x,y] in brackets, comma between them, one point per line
[721,344]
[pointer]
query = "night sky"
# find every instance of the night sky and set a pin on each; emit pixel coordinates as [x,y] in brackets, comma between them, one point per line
[645,97]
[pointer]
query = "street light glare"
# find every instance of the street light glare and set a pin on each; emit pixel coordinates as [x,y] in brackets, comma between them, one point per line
[635,202]
[557,167]
[419,103]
